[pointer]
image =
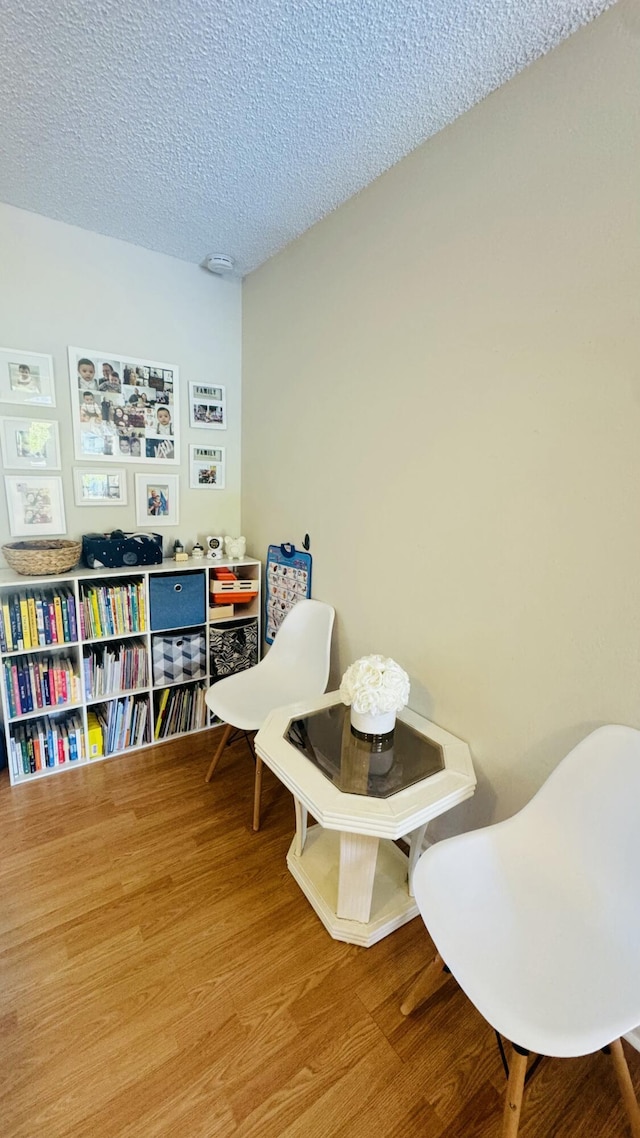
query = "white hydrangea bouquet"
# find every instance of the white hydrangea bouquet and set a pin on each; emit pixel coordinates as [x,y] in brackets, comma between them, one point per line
[376,688]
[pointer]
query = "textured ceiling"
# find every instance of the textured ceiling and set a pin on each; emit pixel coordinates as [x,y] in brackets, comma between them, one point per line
[198,126]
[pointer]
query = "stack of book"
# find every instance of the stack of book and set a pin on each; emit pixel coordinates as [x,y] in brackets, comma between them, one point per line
[111,609]
[45,742]
[37,618]
[114,667]
[32,682]
[123,722]
[181,709]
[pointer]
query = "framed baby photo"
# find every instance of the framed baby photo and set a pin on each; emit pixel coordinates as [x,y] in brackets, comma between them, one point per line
[36,505]
[157,499]
[29,444]
[123,409]
[207,406]
[26,377]
[100,487]
[206,468]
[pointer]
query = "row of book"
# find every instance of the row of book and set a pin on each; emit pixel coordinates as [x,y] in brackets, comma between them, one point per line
[110,609]
[37,618]
[45,742]
[181,709]
[122,722]
[32,682]
[114,667]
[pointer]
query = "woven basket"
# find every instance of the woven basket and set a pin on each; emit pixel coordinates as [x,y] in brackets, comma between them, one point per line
[44,556]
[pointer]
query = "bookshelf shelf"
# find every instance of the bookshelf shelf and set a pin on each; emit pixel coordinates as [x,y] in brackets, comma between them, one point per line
[49,648]
[50,709]
[107,696]
[86,623]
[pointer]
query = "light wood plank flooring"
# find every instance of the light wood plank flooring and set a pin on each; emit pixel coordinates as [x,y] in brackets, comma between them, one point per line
[163,975]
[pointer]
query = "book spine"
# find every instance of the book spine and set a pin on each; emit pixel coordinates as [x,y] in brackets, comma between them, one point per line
[52,622]
[57,608]
[46,681]
[24,621]
[13,691]
[33,621]
[31,755]
[4,631]
[65,618]
[53,746]
[37,682]
[71,611]
[36,747]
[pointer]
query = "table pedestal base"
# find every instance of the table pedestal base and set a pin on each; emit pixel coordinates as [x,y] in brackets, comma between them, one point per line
[317,871]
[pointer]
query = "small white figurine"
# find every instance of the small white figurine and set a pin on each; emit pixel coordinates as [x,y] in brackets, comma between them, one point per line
[235,547]
[197,552]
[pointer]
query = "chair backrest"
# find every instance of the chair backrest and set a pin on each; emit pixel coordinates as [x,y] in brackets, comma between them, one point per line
[302,647]
[582,824]
[540,893]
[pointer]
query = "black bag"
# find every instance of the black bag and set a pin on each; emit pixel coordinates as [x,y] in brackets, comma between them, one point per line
[116,549]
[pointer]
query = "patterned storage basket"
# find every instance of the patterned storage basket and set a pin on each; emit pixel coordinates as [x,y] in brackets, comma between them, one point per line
[179,658]
[234,647]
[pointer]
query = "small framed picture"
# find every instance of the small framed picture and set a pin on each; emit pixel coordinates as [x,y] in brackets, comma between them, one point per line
[36,505]
[29,444]
[100,487]
[157,500]
[26,377]
[207,406]
[206,468]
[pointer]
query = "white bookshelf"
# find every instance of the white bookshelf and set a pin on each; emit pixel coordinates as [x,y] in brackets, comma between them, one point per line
[27,742]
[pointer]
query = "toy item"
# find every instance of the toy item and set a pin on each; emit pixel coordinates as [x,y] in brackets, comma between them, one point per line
[288,580]
[235,547]
[227,588]
[215,548]
[197,551]
[178,551]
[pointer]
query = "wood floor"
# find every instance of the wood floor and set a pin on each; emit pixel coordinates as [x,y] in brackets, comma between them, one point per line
[162,974]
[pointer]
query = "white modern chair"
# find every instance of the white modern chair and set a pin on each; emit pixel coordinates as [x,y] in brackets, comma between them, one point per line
[538,917]
[295,668]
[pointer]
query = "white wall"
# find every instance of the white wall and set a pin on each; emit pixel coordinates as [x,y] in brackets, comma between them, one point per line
[61,286]
[441,384]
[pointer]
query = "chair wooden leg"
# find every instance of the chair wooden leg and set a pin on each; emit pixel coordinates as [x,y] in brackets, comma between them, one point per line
[221,746]
[626,1087]
[515,1089]
[429,980]
[257,792]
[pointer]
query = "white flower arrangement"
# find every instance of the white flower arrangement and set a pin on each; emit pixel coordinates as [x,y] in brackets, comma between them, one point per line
[375,685]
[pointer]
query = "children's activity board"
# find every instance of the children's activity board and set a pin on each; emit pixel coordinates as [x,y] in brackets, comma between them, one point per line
[288,581]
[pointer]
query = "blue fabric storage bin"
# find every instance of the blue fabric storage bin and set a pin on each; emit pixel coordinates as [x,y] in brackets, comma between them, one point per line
[177,600]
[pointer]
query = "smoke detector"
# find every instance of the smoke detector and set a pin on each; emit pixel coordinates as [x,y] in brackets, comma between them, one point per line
[219,263]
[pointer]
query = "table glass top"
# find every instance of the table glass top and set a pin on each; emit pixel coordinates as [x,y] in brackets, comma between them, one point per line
[373,766]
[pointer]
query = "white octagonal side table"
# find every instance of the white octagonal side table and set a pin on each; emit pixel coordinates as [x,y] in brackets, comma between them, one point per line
[355,877]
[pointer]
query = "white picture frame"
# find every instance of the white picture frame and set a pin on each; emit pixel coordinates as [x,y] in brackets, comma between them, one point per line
[123,408]
[36,505]
[157,499]
[26,377]
[29,444]
[94,487]
[207,467]
[207,406]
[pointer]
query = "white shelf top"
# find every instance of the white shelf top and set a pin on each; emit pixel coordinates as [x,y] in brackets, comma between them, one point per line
[8,578]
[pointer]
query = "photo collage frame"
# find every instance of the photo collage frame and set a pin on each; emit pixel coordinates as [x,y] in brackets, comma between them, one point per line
[124,409]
